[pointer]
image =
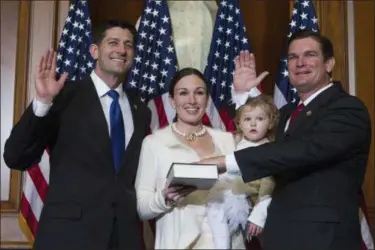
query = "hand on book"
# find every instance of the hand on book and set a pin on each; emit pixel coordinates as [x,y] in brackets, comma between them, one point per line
[218,160]
[175,194]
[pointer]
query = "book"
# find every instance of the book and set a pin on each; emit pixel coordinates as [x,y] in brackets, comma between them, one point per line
[200,176]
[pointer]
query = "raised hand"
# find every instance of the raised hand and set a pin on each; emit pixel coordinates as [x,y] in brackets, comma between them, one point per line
[46,85]
[245,78]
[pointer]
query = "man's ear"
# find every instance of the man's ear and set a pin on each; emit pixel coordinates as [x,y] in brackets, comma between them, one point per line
[94,51]
[330,64]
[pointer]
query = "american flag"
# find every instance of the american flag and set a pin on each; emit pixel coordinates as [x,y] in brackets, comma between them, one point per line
[155,62]
[304,18]
[228,40]
[73,57]
[73,49]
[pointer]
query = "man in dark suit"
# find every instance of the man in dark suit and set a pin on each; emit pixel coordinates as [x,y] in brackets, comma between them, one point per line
[93,130]
[319,156]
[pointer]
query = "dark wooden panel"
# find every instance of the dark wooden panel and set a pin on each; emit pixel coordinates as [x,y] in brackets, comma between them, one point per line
[267,26]
[364,70]
[332,17]
[113,9]
[20,98]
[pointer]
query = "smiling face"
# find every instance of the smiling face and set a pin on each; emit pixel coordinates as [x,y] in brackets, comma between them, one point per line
[308,70]
[190,99]
[254,123]
[114,53]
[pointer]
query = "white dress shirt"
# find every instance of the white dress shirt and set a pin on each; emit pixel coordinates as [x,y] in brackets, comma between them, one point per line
[239,99]
[41,109]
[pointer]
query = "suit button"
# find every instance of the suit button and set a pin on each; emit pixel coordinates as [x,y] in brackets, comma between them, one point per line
[114,204]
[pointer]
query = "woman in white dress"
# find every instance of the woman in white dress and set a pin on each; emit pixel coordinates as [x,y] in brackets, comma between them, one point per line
[181,215]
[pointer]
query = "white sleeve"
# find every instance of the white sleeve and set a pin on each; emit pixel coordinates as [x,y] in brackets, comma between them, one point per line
[40,109]
[239,98]
[231,165]
[258,215]
[150,201]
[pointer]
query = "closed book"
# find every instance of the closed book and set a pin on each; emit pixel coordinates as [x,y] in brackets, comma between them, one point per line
[200,176]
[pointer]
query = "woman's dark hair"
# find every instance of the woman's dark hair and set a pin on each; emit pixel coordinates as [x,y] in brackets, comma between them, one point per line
[181,74]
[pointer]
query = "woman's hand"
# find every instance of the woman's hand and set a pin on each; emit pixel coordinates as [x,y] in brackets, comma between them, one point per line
[175,194]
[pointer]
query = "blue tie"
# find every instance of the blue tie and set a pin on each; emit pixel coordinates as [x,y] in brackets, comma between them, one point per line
[117,130]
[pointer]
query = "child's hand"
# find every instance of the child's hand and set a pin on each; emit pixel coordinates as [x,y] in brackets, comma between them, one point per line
[254,230]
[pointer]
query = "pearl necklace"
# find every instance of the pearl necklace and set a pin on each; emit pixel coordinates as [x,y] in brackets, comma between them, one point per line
[189,136]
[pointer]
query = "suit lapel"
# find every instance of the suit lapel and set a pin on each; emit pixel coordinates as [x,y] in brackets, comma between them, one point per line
[138,124]
[137,117]
[284,116]
[95,122]
[313,109]
[96,127]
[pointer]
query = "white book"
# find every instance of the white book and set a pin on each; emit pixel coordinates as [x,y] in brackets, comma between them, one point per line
[201,176]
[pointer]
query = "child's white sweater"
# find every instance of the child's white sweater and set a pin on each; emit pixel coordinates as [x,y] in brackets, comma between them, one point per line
[228,209]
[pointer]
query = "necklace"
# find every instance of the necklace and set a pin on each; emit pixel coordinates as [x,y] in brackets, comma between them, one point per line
[189,136]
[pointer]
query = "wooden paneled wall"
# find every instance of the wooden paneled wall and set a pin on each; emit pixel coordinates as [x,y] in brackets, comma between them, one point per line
[364,71]
[332,17]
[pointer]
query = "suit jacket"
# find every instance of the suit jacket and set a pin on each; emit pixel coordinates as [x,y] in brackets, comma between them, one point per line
[319,165]
[85,193]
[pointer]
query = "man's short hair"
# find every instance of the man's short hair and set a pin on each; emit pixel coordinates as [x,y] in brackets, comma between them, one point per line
[325,44]
[99,31]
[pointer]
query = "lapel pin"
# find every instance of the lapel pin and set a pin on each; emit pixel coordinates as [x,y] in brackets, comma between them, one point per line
[308,113]
[135,106]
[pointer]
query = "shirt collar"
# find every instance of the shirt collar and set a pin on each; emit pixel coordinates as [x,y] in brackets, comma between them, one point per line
[308,100]
[244,143]
[102,88]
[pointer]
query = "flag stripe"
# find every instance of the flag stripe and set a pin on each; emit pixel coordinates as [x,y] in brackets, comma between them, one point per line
[214,116]
[44,166]
[39,182]
[163,121]
[28,217]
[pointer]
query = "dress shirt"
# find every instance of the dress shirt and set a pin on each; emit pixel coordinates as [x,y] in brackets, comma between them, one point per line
[230,160]
[41,109]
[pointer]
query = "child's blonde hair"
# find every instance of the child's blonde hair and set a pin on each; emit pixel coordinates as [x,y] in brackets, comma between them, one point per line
[264,102]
